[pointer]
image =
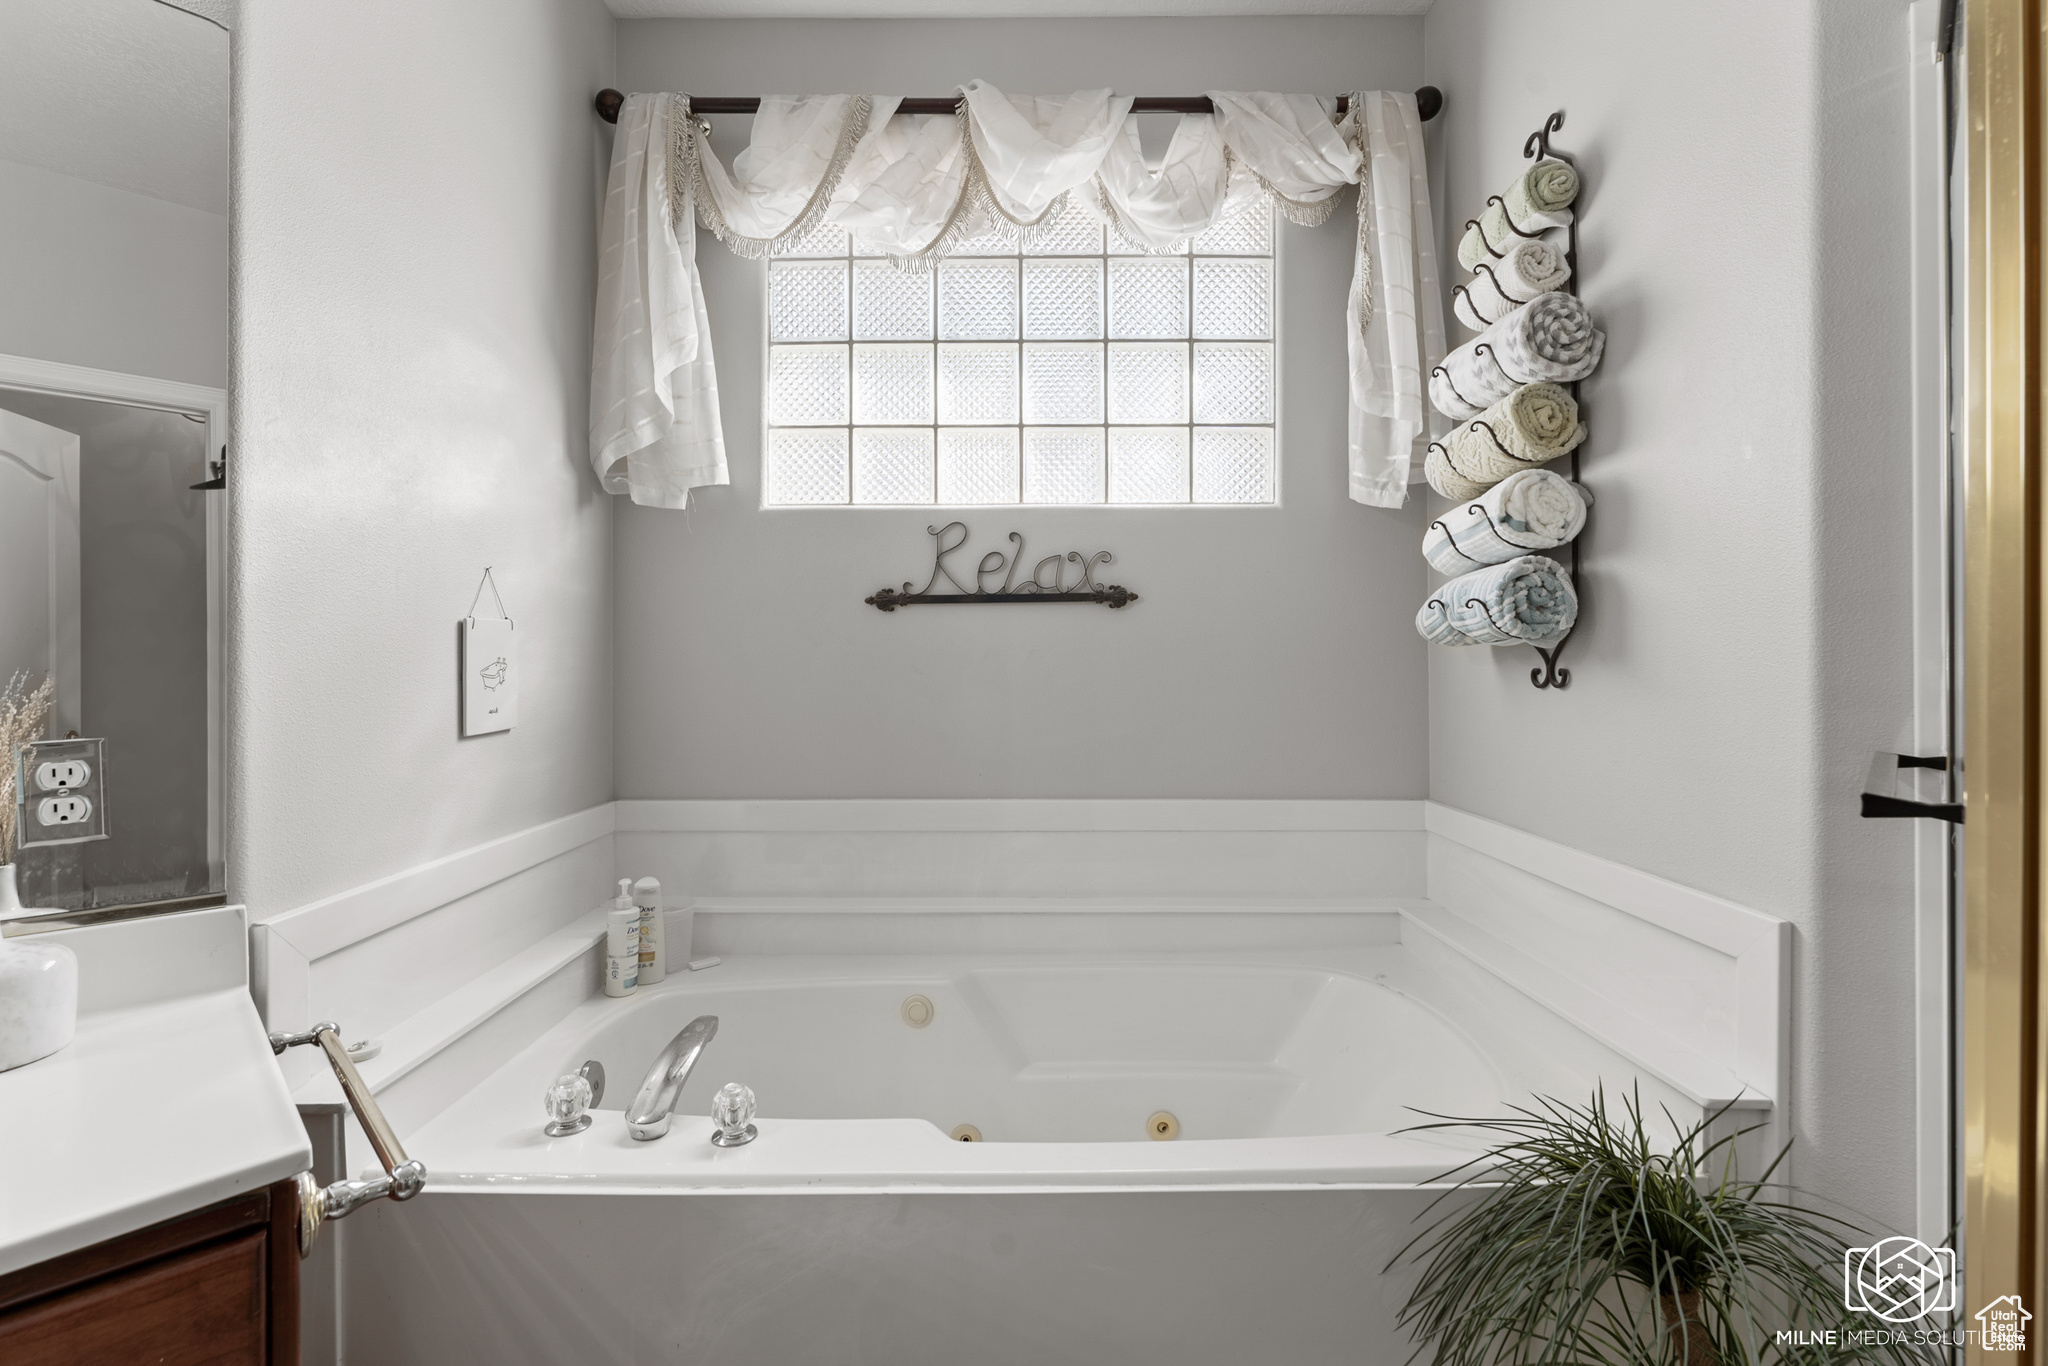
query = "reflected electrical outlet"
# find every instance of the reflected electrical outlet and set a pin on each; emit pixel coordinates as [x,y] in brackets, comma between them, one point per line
[61,795]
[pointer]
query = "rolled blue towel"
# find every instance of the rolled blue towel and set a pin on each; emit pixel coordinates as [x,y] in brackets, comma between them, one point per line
[1524,601]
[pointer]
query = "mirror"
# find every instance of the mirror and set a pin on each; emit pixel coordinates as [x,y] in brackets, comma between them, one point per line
[113,505]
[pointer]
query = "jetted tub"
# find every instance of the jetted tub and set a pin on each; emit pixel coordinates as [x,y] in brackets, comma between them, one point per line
[854,1229]
[1272,1072]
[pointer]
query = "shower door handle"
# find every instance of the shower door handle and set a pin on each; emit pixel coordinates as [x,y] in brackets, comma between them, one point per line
[404,1177]
[1880,796]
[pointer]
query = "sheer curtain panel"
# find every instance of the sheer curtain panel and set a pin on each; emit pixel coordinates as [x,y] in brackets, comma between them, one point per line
[914,187]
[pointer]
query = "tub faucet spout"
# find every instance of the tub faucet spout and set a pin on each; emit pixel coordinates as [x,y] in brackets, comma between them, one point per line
[647,1117]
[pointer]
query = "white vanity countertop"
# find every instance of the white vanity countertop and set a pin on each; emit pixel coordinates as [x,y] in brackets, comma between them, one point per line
[167,1100]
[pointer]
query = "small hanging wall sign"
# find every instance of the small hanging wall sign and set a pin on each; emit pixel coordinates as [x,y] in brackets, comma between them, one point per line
[490,667]
[1037,586]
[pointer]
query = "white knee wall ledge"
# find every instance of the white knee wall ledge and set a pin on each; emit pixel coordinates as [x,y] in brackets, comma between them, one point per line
[1693,987]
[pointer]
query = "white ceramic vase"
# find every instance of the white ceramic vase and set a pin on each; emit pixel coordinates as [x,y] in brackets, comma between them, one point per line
[38,990]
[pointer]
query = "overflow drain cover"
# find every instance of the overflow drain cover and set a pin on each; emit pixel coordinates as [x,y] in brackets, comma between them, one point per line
[917,1011]
[966,1133]
[1162,1126]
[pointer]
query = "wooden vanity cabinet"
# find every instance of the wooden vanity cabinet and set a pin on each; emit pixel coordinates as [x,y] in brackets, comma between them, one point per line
[217,1287]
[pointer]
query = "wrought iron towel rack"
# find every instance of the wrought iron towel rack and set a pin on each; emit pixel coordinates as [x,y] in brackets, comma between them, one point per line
[1535,147]
[1428,101]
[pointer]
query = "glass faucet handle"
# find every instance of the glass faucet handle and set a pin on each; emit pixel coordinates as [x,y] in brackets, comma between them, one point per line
[568,1106]
[732,1109]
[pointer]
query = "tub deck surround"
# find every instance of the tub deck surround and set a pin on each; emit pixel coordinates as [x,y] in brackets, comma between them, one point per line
[1285,1027]
[1671,985]
[1687,984]
[166,1100]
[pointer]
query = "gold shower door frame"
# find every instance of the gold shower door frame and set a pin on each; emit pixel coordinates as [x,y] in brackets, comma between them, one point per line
[1999,339]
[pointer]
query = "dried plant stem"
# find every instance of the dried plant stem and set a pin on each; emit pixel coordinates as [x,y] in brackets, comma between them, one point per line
[24,712]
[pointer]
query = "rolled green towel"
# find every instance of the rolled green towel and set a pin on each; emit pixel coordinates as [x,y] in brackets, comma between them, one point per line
[1536,423]
[1540,199]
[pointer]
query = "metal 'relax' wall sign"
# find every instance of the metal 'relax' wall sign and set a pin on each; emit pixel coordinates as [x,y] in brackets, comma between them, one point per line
[1032,589]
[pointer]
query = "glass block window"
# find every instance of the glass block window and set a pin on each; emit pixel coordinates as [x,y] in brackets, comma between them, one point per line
[1082,373]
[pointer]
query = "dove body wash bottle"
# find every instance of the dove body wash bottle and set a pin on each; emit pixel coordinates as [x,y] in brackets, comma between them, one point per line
[653,962]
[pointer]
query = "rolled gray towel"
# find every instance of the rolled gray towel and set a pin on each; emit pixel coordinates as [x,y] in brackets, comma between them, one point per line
[1551,337]
[1524,601]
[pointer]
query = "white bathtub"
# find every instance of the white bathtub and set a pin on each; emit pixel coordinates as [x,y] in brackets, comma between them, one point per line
[1275,1073]
[855,1230]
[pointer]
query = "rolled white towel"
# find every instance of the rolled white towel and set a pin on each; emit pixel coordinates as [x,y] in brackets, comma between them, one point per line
[1551,337]
[1524,601]
[1528,510]
[1500,287]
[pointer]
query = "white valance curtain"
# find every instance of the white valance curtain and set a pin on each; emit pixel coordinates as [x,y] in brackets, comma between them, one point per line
[915,186]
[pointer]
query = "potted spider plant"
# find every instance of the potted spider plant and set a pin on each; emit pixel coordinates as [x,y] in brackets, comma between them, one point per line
[1578,1240]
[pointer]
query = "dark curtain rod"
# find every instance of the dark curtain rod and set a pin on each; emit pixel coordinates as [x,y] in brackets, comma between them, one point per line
[1428,101]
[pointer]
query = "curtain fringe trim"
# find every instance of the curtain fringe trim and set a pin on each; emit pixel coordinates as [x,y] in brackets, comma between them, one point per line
[977,209]
[687,182]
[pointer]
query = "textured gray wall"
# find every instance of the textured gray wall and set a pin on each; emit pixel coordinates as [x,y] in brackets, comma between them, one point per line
[414,255]
[1746,640]
[1272,654]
